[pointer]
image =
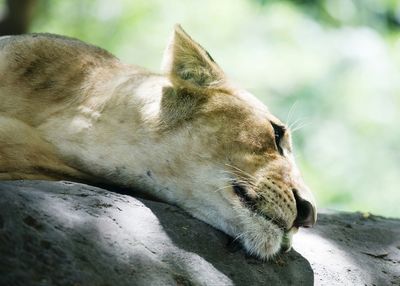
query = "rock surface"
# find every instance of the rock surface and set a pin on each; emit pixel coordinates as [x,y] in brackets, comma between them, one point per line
[63,233]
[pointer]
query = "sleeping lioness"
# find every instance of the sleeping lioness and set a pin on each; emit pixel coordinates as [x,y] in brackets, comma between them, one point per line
[72,111]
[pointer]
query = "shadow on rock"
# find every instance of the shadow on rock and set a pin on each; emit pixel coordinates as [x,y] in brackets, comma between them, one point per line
[215,247]
[61,233]
[357,249]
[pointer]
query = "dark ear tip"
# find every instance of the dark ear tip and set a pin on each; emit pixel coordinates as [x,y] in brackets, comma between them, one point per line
[178,26]
[180,31]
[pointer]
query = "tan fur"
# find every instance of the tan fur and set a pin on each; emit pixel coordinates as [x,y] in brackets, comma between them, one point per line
[69,110]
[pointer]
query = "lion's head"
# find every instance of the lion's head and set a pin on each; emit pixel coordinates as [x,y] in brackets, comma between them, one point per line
[230,161]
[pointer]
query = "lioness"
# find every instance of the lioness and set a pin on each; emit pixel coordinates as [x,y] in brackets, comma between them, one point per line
[69,110]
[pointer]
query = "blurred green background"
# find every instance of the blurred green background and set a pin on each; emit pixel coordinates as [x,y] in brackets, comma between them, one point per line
[330,68]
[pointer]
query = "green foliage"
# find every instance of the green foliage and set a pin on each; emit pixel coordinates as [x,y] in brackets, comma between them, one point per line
[333,63]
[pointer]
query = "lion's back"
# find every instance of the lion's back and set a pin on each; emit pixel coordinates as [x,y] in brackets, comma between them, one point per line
[43,61]
[40,69]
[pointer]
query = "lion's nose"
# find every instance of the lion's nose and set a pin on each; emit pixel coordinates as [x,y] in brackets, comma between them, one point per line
[306,213]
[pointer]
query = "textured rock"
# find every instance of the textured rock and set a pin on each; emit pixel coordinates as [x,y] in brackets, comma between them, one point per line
[62,233]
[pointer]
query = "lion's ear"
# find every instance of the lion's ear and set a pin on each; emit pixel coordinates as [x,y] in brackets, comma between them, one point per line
[186,60]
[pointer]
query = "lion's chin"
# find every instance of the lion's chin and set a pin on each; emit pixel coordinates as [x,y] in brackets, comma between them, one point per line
[263,241]
[260,236]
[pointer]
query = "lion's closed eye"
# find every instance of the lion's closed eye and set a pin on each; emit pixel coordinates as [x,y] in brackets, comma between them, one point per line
[279,133]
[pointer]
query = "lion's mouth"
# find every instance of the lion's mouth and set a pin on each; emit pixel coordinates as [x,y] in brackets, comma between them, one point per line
[251,203]
[286,244]
[242,193]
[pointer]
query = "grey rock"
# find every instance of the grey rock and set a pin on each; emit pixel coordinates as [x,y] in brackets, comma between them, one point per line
[63,233]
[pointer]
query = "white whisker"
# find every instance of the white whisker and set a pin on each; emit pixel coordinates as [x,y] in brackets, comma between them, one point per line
[304,124]
[297,121]
[241,171]
[222,188]
[291,111]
